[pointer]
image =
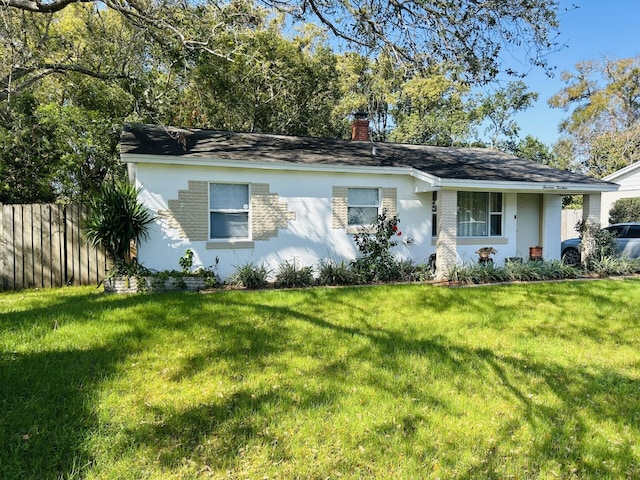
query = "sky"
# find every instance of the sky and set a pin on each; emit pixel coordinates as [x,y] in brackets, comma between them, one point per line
[594,30]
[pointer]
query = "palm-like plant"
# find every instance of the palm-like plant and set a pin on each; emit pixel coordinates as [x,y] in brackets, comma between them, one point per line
[116,217]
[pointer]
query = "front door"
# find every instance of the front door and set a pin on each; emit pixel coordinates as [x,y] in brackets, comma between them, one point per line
[527,223]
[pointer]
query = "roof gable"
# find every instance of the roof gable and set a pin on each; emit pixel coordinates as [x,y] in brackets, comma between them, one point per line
[625,172]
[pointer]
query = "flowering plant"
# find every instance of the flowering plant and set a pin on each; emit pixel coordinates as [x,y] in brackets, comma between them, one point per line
[376,261]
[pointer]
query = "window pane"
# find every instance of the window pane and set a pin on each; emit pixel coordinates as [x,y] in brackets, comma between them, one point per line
[363,196]
[496,202]
[228,197]
[496,225]
[363,215]
[472,214]
[633,232]
[229,225]
[616,230]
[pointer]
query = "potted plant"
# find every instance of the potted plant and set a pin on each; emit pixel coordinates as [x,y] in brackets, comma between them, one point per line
[117,221]
[484,254]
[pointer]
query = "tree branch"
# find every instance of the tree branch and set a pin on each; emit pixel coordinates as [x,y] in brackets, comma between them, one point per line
[40,7]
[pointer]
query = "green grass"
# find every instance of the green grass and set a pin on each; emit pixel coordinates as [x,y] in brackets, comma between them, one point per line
[402,381]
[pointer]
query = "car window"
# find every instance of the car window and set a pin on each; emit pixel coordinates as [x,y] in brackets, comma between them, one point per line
[617,230]
[633,232]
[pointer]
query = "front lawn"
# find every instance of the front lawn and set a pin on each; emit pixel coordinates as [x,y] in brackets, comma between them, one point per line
[399,381]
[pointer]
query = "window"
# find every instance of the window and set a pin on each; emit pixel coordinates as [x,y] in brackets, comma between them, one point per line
[228,211]
[634,231]
[479,214]
[363,206]
[434,214]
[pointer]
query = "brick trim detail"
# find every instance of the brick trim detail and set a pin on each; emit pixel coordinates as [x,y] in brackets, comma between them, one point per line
[390,201]
[446,242]
[268,213]
[189,214]
[339,208]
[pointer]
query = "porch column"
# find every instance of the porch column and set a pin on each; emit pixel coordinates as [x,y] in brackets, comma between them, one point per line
[591,206]
[551,226]
[446,255]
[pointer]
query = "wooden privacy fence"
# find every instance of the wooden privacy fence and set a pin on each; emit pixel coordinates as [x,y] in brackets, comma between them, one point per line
[41,246]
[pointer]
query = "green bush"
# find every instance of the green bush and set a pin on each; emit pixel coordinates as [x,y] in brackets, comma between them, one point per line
[115,219]
[291,275]
[602,242]
[625,210]
[250,276]
[331,272]
[608,266]
[376,263]
[475,273]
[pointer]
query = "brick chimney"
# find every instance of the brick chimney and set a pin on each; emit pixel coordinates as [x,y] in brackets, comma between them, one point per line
[360,127]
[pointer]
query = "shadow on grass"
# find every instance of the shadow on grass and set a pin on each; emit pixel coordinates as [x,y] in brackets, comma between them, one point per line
[586,393]
[48,408]
[250,332]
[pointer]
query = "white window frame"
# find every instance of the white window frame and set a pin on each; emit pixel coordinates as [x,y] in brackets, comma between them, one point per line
[378,206]
[246,210]
[489,215]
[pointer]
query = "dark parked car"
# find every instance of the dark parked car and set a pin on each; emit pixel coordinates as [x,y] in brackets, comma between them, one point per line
[627,241]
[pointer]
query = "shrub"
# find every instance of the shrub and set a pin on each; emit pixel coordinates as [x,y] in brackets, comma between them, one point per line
[186,261]
[511,271]
[115,219]
[331,272]
[625,210]
[600,243]
[607,266]
[250,276]
[376,262]
[290,275]
[405,270]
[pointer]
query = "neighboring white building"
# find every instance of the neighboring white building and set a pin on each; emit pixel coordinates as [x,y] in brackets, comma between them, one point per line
[246,197]
[629,180]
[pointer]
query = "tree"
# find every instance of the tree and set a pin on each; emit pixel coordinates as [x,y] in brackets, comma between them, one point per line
[625,210]
[603,125]
[468,33]
[499,108]
[369,85]
[274,85]
[533,149]
[433,107]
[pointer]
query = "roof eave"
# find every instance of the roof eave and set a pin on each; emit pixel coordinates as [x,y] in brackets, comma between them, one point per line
[622,172]
[561,188]
[428,182]
[259,165]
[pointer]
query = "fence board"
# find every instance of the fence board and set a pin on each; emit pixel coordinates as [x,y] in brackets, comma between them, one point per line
[42,246]
[36,220]
[19,251]
[9,259]
[27,246]
[57,242]
[47,271]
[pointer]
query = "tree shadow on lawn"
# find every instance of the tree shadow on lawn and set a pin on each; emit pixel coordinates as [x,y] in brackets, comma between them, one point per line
[583,395]
[50,397]
[48,408]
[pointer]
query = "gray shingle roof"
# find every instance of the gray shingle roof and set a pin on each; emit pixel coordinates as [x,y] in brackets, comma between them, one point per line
[442,162]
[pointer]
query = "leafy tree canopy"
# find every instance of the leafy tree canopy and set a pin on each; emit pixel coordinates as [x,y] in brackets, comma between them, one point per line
[71,72]
[467,33]
[603,98]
